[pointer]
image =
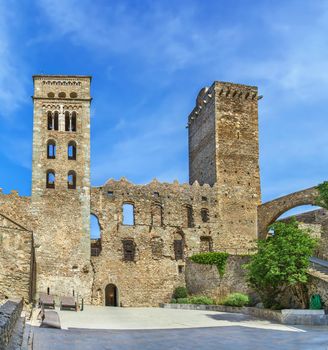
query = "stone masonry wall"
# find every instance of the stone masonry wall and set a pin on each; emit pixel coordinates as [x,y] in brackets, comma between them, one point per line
[17,208]
[9,313]
[223,149]
[206,280]
[154,274]
[16,261]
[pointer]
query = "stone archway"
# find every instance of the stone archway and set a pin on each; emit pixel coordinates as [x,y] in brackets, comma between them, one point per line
[269,212]
[111,295]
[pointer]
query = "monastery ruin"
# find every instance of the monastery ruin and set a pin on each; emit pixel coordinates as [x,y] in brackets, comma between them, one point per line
[45,239]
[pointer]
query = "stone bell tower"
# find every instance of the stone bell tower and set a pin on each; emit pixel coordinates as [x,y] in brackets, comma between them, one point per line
[224,150]
[61,184]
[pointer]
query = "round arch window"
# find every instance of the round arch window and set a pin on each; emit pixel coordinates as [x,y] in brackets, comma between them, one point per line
[73,95]
[51,95]
[62,95]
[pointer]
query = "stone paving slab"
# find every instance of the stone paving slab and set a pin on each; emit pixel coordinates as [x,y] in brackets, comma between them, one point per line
[223,338]
[95,317]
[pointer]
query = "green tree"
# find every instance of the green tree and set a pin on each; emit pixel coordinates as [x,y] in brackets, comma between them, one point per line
[322,199]
[281,262]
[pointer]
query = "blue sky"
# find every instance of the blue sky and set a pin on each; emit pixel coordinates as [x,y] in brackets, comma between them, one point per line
[148,60]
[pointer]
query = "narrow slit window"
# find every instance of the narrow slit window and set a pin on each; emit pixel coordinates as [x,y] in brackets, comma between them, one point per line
[178,246]
[189,216]
[205,215]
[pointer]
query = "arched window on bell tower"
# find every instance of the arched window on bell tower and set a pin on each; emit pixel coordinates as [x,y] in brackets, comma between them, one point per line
[70,121]
[71,150]
[52,118]
[56,116]
[67,121]
[73,121]
[51,149]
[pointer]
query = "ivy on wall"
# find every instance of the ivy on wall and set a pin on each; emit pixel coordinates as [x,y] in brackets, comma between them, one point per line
[322,199]
[212,258]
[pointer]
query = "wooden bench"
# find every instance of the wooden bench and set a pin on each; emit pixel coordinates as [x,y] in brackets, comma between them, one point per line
[68,303]
[49,319]
[46,300]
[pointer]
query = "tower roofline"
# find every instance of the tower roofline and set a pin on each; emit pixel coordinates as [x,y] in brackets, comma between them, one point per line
[60,76]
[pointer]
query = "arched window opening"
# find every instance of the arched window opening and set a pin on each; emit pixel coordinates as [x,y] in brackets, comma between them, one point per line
[205,215]
[73,95]
[73,121]
[178,246]
[56,116]
[206,244]
[189,217]
[51,149]
[95,235]
[70,121]
[51,95]
[129,249]
[62,95]
[71,150]
[67,121]
[51,122]
[128,214]
[71,180]
[50,179]
[157,215]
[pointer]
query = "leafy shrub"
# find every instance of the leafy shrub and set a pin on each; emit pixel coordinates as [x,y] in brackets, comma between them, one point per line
[281,263]
[173,301]
[183,301]
[180,292]
[201,300]
[212,258]
[236,299]
[322,199]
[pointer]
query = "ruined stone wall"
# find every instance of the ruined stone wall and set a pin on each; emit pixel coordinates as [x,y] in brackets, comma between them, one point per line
[16,260]
[154,274]
[17,208]
[62,231]
[206,280]
[10,312]
[223,149]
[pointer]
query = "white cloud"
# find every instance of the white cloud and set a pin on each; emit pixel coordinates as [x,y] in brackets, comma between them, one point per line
[158,34]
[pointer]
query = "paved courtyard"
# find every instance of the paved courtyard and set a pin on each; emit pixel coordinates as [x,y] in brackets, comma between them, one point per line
[157,329]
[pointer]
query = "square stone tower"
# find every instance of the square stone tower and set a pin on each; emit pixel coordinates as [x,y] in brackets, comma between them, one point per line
[61,184]
[224,151]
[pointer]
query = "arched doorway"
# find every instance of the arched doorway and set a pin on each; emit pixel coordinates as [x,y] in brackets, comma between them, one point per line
[111,295]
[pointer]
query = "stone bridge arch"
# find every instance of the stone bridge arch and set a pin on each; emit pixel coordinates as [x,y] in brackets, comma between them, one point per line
[269,212]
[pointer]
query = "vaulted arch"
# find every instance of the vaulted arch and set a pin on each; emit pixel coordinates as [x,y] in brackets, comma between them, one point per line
[269,212]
